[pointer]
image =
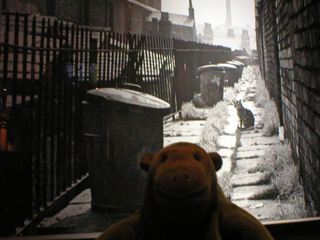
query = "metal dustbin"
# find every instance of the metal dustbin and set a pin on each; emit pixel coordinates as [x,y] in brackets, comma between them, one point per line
[239,66]
[211,84]
[246,60]
[231,74]
[120,126]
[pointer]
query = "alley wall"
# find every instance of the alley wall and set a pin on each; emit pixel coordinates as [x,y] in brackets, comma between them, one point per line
[287,33]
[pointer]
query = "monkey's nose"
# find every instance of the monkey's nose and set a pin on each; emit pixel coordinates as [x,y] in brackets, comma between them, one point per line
[181,178]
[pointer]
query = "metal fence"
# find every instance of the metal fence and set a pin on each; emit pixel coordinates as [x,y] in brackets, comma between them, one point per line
[46,67]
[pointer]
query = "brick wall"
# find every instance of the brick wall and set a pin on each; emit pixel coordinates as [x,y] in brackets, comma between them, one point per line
[98,13]
[66,10]
[270,63]
[69,10]
[127,16]
[28,6]
[124,12]
[296,24]
[92,13]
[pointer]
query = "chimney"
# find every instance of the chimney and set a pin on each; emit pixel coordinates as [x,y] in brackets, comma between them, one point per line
[191,10]
[228,21]
[165,26]
[164,16]
[245,39]
[155,26]
[230,33]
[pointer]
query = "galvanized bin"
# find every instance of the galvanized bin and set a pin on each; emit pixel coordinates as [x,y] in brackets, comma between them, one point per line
[120,125]
[211,84]
[231,74]
[246,60]
[239,66]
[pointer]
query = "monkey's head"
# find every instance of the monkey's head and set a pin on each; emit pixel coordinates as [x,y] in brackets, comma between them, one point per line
[182,181]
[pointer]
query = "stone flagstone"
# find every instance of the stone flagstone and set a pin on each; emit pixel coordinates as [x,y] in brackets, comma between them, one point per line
[226,160]
[182,131]
[252,148]
[226,141]
[251,141]
[248,184]
[250,154]
[231,127]
[246,165]
[248,192]
[246,179]
[224,152]
[251,134]
[261,209]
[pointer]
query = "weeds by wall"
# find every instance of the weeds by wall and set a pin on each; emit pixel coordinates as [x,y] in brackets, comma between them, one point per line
[283,175]
[217,118]
[270,118]
[281,171]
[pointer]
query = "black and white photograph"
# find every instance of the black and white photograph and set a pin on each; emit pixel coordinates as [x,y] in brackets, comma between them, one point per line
[160,119]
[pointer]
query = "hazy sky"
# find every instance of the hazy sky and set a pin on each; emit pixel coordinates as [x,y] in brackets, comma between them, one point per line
[214,11]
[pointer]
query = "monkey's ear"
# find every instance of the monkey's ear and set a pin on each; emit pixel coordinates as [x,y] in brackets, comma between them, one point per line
[145,161]
[216,159]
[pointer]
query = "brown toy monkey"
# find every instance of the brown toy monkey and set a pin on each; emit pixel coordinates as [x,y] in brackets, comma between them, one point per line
[184,201]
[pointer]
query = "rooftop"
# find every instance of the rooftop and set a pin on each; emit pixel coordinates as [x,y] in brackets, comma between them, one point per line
[176,19]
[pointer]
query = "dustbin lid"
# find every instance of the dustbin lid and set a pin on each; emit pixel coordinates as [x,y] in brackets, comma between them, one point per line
[236,63]
[242,58]
[227,65]
[128,100]
[211,67]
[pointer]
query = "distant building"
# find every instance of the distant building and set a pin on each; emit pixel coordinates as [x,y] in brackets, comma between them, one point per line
[245,39]
[230,33]
[121,16]
[207,36]
[236,37]
[173,25]
[118,16]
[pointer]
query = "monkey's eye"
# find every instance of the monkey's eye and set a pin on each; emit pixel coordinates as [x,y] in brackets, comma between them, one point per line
[164,158]
[197,157]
